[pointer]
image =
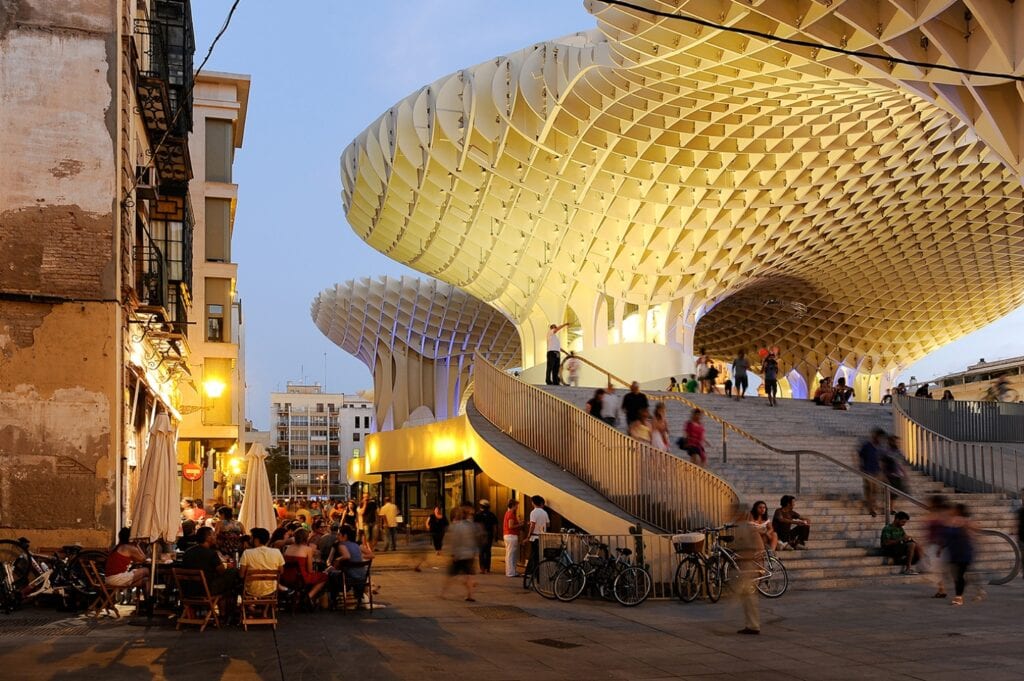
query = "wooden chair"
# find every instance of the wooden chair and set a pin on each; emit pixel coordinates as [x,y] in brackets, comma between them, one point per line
[259,609]
[196,599]
[106,596]
[345,582]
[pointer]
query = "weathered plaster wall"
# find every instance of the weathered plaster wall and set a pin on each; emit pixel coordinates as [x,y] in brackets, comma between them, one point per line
[60,333]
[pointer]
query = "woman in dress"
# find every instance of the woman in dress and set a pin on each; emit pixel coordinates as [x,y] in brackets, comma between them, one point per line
[659,427]
[298,567]
[762,524]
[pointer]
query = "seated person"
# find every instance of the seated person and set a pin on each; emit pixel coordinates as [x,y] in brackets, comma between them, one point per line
[229,533]
[328,543]
[299,572]
[789,525]
[762,524]
[350,552]
[261,557]
[897,545]
[842,395]
[220,579]
[823,393]
[119,561]
[188,536]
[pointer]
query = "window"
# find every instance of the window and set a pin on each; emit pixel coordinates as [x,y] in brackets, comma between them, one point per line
[366,422]
[220,150]
[355,452]
[355,437]
[357,422]
[215,323]
[218,230]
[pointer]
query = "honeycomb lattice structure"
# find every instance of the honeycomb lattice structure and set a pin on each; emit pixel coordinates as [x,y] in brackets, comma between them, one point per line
[848,210]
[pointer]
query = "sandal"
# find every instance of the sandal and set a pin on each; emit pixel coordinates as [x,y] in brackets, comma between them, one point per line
[958,600]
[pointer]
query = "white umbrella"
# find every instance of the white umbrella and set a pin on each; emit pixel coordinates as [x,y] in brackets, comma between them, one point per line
[156,511]
[258,504]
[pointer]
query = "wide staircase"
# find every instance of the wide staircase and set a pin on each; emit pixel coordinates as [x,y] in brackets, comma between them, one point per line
[843,550]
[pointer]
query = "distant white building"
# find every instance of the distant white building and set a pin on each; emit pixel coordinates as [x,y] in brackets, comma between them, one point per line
[320,433]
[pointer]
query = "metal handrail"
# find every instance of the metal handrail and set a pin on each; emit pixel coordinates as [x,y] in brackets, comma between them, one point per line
[966,420]
[650,484]
[888,490]
[971,466]
[592,365]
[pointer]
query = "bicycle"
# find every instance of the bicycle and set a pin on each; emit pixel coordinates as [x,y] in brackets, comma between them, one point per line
[613,578]
[542,578]
[25,576]
[697,572]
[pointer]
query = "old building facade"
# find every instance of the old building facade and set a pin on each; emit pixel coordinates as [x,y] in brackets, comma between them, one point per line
[95,254]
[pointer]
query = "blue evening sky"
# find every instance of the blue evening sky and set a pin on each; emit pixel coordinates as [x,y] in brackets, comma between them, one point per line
[322,70]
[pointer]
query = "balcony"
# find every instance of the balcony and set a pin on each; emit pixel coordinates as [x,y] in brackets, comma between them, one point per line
[164,45]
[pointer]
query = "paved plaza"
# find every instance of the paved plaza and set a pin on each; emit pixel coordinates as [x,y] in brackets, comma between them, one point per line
[891,633]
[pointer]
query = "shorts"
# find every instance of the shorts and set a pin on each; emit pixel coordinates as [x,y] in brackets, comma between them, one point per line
[124,579]
[462,567]
[898,553]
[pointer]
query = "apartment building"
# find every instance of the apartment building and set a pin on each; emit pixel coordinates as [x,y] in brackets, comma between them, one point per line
[214,399]
[95,242]
[320,432]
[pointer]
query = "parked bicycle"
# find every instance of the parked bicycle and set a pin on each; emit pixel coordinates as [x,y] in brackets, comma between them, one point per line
[710,573]
[27,576]
[542,578]
[611,578]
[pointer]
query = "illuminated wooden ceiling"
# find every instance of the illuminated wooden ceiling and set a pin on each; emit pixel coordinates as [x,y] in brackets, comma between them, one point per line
[652,160]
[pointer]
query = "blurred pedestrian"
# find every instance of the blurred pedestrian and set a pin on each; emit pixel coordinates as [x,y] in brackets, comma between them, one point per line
[389,518]
[748,545]
[572,366]
[436,525]
[610,404]
[740,365]
[488,523]
[633,403]
[869,461]
[693,439]
[935,529]
[595,405]
[659,427]
[960,550]
[465,537]
[640,427]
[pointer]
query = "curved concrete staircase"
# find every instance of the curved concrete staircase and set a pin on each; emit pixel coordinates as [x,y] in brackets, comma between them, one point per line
[844,541]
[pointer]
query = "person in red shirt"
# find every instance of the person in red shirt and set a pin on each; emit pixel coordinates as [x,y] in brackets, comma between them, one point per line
[693,439]
[510,528]
[119,561]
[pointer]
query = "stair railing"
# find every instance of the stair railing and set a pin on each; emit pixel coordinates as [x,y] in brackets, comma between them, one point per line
[609,376]
[887,490]
[969,466]
[648,483]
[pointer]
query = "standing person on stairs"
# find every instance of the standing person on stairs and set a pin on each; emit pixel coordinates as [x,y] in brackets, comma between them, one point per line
[770,371]
[554,354]
[739,373]
[869,460]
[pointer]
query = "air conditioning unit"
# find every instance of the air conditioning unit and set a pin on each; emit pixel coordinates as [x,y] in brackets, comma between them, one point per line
[146,182]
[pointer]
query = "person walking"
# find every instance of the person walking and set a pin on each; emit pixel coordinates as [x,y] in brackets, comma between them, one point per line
[640,428]
[389,517]
[437,525]
[465,544]
[659,427]
[960,549]
[610,404]
[633,403]
[869,461]
[554,356]
[673,385]
[748,544]
[488,523]
[510,527]
[572,366]
[739,374]
[595,404]
[693,439]
[770,371]
[702,370]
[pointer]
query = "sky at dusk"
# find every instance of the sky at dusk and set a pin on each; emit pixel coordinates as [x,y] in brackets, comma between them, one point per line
[322,71]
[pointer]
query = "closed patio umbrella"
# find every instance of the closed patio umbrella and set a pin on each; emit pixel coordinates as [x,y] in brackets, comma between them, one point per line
[258,504]
[156,511]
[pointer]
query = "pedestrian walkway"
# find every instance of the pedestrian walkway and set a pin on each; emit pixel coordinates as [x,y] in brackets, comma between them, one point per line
[894,633]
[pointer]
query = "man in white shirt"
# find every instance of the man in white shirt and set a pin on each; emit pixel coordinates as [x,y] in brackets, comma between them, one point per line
[261,557]
[389,517]
[554,354]
[539,520]
[610,404]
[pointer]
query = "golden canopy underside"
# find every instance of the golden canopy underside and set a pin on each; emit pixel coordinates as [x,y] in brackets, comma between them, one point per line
[654,161]
[429,317]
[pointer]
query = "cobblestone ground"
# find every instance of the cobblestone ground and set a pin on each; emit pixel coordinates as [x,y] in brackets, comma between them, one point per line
[881,634]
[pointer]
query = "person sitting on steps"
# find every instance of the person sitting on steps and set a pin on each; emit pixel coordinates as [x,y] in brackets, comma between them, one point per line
[896,544]
[790,527]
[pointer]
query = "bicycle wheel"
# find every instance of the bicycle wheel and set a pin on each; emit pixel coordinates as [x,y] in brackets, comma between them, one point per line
[714,578]
[570,581]
[632,586]
[774,582]
[14,555]
[689,579]
[544,580]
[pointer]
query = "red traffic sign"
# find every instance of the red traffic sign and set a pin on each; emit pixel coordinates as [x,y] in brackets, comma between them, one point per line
[192,471]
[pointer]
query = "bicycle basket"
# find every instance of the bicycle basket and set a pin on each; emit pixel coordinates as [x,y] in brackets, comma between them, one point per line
[690,542]
[552,552]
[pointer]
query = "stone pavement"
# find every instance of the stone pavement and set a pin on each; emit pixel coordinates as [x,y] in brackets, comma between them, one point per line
[890,633]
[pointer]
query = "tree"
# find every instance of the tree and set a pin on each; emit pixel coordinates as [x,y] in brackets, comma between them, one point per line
[277,464]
